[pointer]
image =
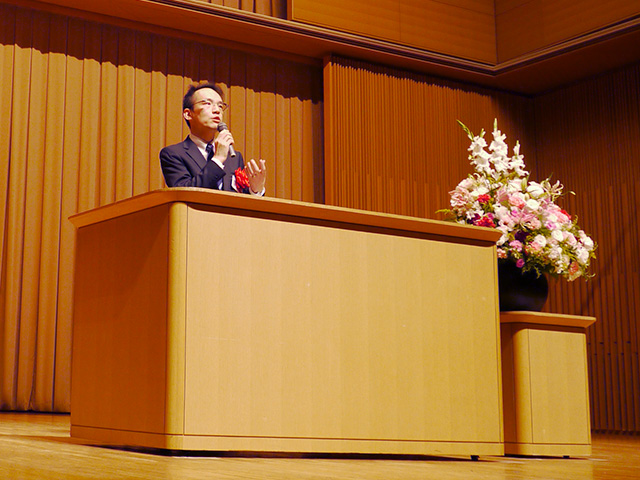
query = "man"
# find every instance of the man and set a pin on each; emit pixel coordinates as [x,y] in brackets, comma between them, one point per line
[205,158]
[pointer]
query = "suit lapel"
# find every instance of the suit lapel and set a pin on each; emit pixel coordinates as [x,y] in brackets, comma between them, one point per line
[230,166]
[192,150]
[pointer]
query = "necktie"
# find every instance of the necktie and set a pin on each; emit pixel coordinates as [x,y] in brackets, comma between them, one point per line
[209,149]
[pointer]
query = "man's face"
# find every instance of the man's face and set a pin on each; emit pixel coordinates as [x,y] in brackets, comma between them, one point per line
[206,112]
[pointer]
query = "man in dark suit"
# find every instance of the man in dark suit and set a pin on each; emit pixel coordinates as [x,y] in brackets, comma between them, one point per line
[206,158]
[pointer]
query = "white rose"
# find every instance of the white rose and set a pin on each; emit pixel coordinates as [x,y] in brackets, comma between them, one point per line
[532,204]
[587,242]
[480,190]
[555,252]
[514,186]
[535,189]
[583,256]
[540,240]
[570,239]
[557,235]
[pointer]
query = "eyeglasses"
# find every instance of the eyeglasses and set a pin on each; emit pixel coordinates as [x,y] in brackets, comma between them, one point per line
[209,104]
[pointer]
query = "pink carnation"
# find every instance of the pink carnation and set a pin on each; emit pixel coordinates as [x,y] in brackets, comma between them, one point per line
[520,263]
[517,200]
[484,198]
[533,247]
[486,221]
[516,245]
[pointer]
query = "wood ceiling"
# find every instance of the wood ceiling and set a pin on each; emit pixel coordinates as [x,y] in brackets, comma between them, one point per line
[533,73]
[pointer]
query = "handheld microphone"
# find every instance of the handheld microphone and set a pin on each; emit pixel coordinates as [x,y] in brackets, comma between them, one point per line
[223,126]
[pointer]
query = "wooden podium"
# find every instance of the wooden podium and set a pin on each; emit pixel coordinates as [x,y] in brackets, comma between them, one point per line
[215,321]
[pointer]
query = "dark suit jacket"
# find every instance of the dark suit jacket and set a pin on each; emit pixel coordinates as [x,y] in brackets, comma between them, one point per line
[184,166]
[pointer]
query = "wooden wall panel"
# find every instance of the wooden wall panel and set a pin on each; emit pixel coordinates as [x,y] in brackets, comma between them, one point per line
[463,28]
[588,136]
[524,26]
[86,107]
[393,143]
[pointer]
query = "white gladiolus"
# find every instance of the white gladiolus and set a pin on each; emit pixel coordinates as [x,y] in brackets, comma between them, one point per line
[477,145]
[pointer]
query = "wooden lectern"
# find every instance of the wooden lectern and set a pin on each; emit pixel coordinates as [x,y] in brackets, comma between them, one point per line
[215,321]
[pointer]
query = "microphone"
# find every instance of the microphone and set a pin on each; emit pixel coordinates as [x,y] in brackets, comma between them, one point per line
[223,126]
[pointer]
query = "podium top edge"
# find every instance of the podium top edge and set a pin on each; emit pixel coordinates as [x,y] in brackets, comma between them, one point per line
[550,319]
[239,203]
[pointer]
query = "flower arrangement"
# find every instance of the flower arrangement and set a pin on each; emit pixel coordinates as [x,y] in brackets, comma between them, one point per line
[537,234]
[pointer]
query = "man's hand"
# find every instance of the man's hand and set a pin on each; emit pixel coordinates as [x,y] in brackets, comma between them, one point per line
[257,175]
[222,142]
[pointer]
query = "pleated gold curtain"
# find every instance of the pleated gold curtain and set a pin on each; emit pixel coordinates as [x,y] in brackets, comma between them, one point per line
[85,108]
[393,143]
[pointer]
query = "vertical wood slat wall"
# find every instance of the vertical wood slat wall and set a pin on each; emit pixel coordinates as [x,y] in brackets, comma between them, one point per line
[273,8]
[84,110]
[392,140]
[588,135]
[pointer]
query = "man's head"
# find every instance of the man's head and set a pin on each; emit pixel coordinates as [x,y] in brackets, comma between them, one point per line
[202,108]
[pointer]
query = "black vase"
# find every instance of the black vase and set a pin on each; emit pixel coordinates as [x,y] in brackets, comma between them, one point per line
[520,290]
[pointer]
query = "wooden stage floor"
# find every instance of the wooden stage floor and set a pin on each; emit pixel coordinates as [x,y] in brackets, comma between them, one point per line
[38,446]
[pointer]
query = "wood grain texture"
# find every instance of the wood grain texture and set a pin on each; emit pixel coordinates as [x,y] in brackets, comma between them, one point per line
[545,386]
[297,335]
[121,292]
[522,27]
[37,446]
[460,28]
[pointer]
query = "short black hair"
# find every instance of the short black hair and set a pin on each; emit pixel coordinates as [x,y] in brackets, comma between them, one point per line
[187,101]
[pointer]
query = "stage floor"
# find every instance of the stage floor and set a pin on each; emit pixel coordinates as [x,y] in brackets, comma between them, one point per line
[38,446]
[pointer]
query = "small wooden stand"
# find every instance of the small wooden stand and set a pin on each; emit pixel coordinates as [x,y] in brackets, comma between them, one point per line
[545,384]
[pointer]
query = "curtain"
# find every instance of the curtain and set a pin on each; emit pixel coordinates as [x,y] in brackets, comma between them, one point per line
[85,109]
